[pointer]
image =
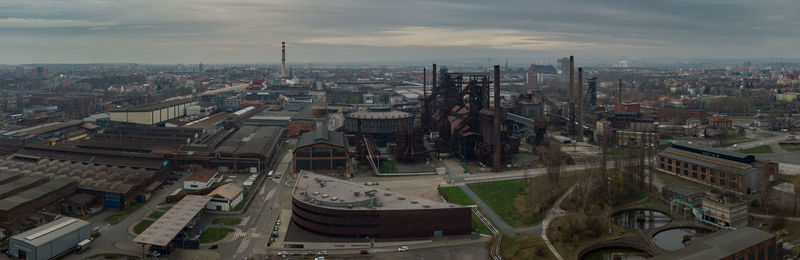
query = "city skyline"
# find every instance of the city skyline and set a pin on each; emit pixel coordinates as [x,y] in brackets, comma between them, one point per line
[368,31]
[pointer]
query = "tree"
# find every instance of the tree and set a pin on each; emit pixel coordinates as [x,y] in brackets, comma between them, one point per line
[553,161]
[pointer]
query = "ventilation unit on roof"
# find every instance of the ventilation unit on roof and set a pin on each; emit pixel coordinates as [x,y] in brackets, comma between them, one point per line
[334,198]
[387,194]
[426,206]
[315,193]
[356,193]
[414,202]
[324,195]
[401,198]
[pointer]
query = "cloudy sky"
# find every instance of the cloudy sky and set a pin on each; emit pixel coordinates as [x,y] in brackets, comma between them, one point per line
[319,31]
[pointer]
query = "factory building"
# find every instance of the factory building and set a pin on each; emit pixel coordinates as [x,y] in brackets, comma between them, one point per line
[249,147]
[322,151]
[744,243]
[730,171]
[201,179]
[153,113]
[21,196]
[305,119]
[379,123]
[49,240]
[329,206]
[225,197]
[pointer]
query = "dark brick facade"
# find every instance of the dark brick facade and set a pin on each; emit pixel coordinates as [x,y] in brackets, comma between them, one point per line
[378,223]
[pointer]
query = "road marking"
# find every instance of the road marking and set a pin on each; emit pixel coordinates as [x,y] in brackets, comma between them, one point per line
[270,194]
[243,245]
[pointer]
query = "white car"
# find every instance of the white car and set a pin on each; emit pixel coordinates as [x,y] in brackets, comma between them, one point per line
[402,248]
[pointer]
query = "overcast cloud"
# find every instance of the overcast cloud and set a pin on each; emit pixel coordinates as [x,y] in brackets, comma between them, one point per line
[217,31]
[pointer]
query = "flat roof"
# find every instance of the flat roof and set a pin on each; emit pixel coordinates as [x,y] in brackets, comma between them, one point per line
[252,140]
[153,106]
[44,128]
[161,232]
[52,230]
[708,161]
[330,192]
[719,244]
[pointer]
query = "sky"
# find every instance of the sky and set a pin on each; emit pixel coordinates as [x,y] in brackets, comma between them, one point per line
[340,31]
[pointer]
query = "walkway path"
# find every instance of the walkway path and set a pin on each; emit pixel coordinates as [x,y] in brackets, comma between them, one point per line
[554,213]
[496,219]
[776,148]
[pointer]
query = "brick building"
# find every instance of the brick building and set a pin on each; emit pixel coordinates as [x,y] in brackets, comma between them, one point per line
[730,171]
[322,151]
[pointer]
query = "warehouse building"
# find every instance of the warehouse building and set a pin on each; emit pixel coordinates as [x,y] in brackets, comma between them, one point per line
[18,206]
[50,240]
[322,151]
[745,243]
[730,171]
[153,113]
[225,197]
[328,206]
[249,147]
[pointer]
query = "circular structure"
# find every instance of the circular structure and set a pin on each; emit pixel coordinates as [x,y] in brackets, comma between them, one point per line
[640,219]
[377,120]
[674,238]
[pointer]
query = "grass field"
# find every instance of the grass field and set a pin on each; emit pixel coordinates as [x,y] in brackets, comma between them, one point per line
[757,149]
[227,221]
[456,195]
[156,214]
[791,147]
[142,225]
[211,235]
[388,167]
[500,195]
[119,217]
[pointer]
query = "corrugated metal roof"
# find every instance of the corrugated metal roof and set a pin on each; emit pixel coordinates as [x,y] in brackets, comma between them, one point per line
[161,232]
[48,232]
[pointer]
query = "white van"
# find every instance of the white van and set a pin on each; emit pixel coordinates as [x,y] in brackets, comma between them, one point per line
[269,174]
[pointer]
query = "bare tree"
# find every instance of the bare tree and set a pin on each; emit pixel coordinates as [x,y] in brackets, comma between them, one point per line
[554,160]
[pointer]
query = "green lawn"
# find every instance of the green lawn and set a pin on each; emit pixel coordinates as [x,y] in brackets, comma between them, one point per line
[734,135]
[211,235]
[791,147]
[142,225]
[478,226]
[119,217]
[227,221]
[388,167]
[757,149]
[456,195]
[500,195]
[156,214]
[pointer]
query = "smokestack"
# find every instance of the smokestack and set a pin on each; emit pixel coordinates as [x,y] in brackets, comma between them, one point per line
[580,105]
[283,62]
[571,96]
[496,164]
[433,83]
[619,95]
[424,80]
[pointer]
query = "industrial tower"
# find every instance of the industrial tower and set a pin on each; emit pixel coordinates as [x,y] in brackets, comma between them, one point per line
[283,62]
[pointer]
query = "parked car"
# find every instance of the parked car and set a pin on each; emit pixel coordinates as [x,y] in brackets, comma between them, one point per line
[275,228]
[213,247]
[364,252]
[309,253]
[322,253]
[402,248]
[283,253]
[296,253]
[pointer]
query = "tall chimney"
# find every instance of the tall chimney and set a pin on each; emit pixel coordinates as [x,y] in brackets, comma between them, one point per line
[619,95]
[424,80]
[283,62]
[433,80]
[571,96]
[496,164]
[580,105]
